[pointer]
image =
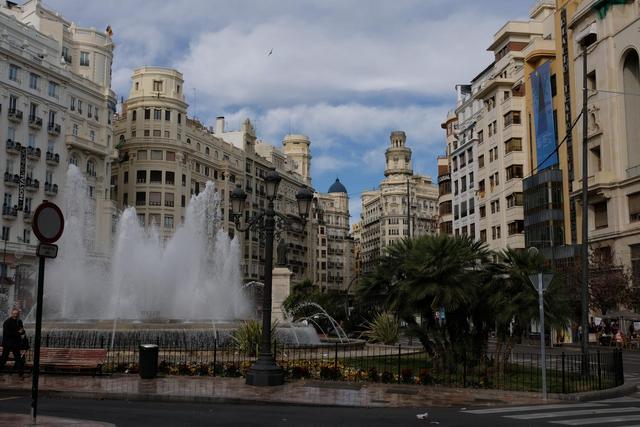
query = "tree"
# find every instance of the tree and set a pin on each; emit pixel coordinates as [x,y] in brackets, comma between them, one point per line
[421,276]
[609,283]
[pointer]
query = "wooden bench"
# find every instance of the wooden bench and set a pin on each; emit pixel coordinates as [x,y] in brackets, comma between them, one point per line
[72,359]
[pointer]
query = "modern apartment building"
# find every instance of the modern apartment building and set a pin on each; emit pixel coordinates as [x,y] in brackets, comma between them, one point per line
[613,82]
[405,205]
[166,157]
[55,80]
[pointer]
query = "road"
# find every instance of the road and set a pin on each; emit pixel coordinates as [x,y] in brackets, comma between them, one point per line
[617,412]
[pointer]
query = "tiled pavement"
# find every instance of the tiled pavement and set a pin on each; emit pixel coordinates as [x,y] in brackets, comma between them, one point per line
[321,393]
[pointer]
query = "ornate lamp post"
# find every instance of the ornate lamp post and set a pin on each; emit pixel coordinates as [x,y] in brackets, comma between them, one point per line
[265,372]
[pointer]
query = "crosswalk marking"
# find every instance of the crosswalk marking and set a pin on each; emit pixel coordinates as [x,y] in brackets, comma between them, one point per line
[533,408]
[602,420]
[539,415]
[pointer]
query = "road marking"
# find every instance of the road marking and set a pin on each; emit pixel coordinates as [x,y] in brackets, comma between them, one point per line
[533,408]
[10,398]
[538,415]
[603,420]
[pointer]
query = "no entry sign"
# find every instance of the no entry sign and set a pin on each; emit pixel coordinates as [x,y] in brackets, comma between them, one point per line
[48,222]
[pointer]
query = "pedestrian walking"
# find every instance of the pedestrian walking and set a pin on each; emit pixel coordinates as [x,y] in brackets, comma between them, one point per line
[13,340]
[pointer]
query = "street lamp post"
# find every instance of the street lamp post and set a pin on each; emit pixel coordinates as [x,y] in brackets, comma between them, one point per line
[265,371]
[541,281]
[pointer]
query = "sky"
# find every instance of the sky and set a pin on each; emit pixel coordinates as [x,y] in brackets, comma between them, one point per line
[344,72]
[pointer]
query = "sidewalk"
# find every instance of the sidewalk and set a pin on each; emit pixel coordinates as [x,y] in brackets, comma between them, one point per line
[234,390]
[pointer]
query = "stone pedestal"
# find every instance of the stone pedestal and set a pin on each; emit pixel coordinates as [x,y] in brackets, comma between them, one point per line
[280,290]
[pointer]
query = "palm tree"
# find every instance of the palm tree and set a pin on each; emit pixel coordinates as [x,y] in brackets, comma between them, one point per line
[426,274]
[515,301]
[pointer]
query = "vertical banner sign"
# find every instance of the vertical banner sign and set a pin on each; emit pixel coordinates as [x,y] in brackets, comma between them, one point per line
[543,117]
[23,171]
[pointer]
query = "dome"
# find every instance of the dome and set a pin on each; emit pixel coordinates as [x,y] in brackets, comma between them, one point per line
[337,187]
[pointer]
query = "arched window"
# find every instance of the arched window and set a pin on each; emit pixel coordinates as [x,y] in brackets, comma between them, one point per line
[73,159]
[631,81]
[188,140]
[91,168]
[198,147]
[206,151]
[134,115]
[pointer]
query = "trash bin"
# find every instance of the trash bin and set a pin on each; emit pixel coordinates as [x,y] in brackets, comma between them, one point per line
[148,360]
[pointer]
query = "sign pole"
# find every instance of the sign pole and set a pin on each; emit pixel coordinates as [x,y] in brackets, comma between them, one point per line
[36,341]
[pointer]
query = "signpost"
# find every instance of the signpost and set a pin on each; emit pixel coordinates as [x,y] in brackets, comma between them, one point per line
[542,281]
[47,225]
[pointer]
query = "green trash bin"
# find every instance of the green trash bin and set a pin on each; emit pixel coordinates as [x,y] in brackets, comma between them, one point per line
[148,361]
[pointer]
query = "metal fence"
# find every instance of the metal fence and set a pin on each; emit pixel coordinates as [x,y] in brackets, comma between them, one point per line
[566,372]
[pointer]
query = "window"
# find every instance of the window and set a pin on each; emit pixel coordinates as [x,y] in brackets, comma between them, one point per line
[53,89]
[141,198]
[515,227]
[156,154]
[142,154]
[155,177]
[168,221]
[72,103]
[91,168]
[634,208]
[167,115]
[157,85]
[183,200]
[513,144]
[514,171]
[13,73]
[92,135]
[155,198]
[154,220]
[506,94]
[207,152]
[470,180]
[32,140]
[512,118]
[84,59]
[126,177]
[125,199]
[79,106]
[141,176]
[480,137]
[134,115]
[179,118]
[169,178]
[171,156]
[146,132]
[481,161]
[600,215]
[596,159]
[463,184]
[483,211]
[483,236]
[147,113]
[157,114]
[141,219]
[184,180]
[168,199]
[89,110]
[5,232]
[33,81]
[471,206]
[514,199]
[74,130]
[156,132]
[456,212]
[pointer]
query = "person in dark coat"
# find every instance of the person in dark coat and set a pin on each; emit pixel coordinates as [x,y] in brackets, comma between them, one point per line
[12,336]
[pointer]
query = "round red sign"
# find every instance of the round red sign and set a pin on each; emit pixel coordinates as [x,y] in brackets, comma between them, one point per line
[48,222]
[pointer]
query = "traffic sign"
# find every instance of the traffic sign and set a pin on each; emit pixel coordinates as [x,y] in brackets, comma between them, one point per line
[48,222]
[47,250]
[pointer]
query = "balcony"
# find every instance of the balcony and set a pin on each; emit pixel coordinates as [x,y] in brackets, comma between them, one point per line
[35,122]
[9,212]
[53,129]
[15,115]
[52,159]
[26,217]
[34,153]
[13,147]
[50,189]
[11,180]
[31,185]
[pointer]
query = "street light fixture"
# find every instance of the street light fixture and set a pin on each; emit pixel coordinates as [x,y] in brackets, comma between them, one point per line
[265,371]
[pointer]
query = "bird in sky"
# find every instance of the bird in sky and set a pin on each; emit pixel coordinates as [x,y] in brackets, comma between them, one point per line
[270,52]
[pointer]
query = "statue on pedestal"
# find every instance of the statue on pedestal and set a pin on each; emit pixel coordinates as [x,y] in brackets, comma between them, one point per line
[281,254]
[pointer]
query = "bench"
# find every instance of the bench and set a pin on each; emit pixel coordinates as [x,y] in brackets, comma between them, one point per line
[72,359]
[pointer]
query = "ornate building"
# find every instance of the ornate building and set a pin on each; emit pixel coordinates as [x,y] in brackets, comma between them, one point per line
[57,106]
[405,205]
[166,157]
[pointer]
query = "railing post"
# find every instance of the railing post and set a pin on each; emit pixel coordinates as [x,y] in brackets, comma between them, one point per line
[102,342]
[599,372]
[335,363]
[464,370]
[47,340]
[215,355]
[399,363]
[563,374]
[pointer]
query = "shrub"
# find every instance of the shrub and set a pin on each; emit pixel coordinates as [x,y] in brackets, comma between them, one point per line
[384,329]
[407,375]
[387,377]
[329,373]
[249,334]
[373,374]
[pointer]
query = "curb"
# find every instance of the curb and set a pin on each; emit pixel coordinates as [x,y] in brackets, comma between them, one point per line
[622,390]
